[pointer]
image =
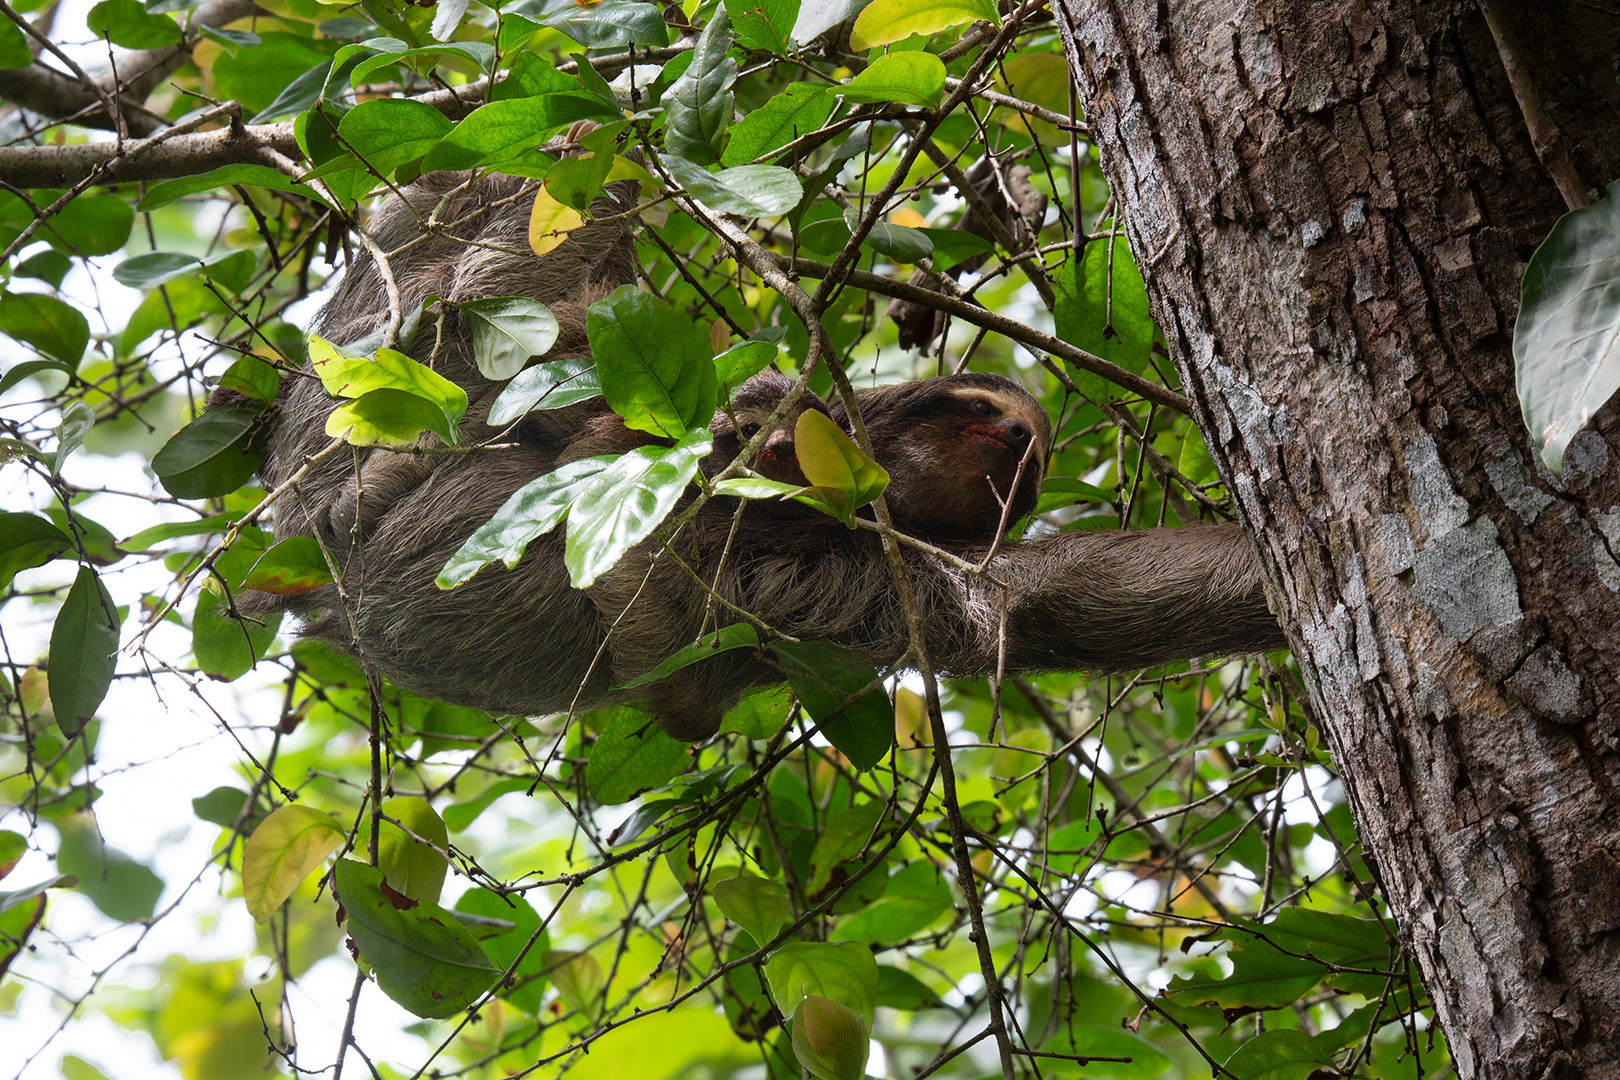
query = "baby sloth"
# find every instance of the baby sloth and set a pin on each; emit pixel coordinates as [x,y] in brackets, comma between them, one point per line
[965,454]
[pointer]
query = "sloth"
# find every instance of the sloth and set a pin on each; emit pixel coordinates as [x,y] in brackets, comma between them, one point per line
[965,456]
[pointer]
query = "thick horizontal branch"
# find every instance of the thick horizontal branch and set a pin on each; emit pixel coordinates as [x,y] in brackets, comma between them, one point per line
[1000,324]
[52,94]
[145,159]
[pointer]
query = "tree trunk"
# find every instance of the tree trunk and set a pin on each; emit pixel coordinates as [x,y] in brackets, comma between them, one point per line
[1333,202]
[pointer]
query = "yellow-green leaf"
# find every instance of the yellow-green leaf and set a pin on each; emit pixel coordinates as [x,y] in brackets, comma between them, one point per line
[282,851]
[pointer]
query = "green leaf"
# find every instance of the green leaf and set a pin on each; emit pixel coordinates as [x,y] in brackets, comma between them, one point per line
[554,384]
[1278,1055]
[612,24]
[53,327]
[842,478]
[254,377]
[127,23]
[759,714]
[150,269]
[626,502]
[357,376]
[1566,344]
[845,973]
[212,455]
[653,362]
[576,181]
[766,25]
[1279,962]
[747,190]
[504,944]
[225,176]
[290,842]
[390,132]
[21,911]
[28,540]
[849,829]
[1147,1061]
[226,645]
[884,22]
[952,246]
[578,978]
[1109,318]
[49,266]
[14,51]
[147,539]
[902,990]
[798,110]
[409,865]
[759,906]
[909,78]
[697,108]
[506,332]
[77,420]
[824,676]
[16,373]
[503,131]
[83,641]
[532,510]
[631,755]
[829,1039]
[292,567]
[899,242]
[915,898]
[741,362]
[222,806]
[120,887]
[462,814]
[386,418]
[423,958]
[89,225]
[736,636]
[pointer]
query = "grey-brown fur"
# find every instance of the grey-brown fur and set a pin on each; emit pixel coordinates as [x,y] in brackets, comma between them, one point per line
[525,641]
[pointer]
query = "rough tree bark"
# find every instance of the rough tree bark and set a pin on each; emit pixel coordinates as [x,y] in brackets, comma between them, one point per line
[1333,203]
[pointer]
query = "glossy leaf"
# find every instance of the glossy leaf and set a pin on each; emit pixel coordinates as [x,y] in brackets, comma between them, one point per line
[899,989]
[423,958]
[532,510]
[908,78]
[798,110]
[612,24]
[289,843]
[28,540]
[389,417]
[502,131]
[747,190]
[653,363]
[1566,344]
[212,455]
[740,635]
[507,331]
[390,132]
[162,194]
[84,639]
[626,502]
[55,328]
[147,539]
[1104,311]
[884,22]
[842,478]
[631,755]
[554,384]
[766,25]
[252,377]
[14,51]
[698,107]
